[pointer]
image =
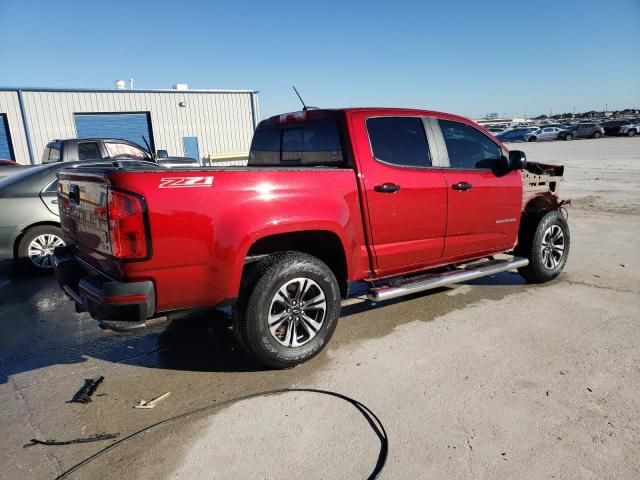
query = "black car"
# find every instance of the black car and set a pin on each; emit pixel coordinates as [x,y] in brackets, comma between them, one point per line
[621,127]
[81,149]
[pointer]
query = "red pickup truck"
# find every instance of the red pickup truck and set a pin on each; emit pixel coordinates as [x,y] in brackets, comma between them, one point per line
[407,200]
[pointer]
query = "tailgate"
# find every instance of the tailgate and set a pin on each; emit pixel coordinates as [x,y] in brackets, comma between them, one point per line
[83,215]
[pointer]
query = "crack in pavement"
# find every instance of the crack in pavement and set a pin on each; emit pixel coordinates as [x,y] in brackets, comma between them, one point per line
[53,459]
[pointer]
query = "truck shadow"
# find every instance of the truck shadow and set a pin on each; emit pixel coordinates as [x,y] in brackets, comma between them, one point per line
[41,328]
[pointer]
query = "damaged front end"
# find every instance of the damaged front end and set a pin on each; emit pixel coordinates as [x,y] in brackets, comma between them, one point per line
[540,187]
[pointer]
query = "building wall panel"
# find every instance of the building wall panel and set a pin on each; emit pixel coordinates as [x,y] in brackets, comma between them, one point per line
[10,106]
[222,121]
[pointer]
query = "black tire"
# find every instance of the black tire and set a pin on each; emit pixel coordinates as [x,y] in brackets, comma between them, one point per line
[38,265]
[568,136]
[538,237]
[261,299]
[596,135]
[532,139]
[631,133]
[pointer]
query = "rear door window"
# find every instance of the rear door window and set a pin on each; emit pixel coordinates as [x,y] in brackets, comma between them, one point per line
[89,151]
[312,143]
[399,141]
[467,147]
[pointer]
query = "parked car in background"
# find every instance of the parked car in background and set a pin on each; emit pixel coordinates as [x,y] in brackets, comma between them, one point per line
[543,134]
[9,167]
[621,127]
[582,130]
[74,150]
[516,134]
[172,162]
[81,149]
[29,219]
[495,131]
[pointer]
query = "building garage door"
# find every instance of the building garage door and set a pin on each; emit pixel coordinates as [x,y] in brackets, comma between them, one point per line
[6,151]
[128,126]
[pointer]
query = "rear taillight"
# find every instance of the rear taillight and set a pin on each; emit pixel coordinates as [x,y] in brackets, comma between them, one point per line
[127,226]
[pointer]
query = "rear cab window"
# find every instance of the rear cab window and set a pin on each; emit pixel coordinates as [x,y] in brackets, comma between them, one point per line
[304,144]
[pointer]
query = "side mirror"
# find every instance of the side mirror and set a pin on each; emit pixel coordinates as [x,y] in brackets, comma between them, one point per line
[517,160]
[162,154]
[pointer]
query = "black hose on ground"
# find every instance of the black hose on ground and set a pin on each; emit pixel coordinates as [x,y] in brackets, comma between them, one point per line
[371,418]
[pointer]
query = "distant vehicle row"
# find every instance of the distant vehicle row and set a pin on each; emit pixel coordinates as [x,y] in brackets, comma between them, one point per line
[628,128]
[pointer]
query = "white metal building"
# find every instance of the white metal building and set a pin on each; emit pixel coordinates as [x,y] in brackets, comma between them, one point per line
[197,123]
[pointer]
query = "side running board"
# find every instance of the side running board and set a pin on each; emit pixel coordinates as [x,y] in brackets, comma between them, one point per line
[436,280]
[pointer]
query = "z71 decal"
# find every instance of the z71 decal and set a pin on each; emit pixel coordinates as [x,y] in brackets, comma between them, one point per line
[185,182]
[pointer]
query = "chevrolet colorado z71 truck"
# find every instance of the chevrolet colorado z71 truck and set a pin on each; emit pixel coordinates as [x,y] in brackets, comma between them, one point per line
[406,200]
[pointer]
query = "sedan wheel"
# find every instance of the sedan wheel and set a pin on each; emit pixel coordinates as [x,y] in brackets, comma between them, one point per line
[41,249]
[36,246]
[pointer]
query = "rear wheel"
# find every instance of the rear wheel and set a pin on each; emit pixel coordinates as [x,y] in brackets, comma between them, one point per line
[547,248]
[631,133]
[596,135]
[532,139]
[36,247]
[289,313]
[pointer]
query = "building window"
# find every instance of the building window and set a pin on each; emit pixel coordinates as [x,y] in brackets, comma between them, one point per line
[6,148]
[125,126]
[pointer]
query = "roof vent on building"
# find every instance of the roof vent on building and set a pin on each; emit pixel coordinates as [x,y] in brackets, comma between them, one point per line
[120,85]
[181,86]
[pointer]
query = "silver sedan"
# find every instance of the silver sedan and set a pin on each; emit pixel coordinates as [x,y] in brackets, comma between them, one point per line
[544,134]
[29,220]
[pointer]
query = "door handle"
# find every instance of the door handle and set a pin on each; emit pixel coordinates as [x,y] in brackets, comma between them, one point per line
[387,188]
[462,186]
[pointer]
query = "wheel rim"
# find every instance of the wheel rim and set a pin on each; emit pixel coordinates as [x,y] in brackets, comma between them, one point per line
[41,248]
[552,247]
[297,312]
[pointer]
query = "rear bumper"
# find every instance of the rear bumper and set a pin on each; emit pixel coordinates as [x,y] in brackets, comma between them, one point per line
[119,306]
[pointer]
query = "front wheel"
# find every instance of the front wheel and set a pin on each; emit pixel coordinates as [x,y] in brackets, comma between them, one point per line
[631,133]
[596,135]
[547,249]
[289,311]
[568,137]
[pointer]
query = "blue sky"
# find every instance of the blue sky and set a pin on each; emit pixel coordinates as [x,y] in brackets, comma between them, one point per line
[467,57]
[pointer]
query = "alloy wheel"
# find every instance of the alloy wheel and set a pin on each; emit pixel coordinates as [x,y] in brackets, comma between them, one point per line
[41,249]
[552,247]
[297,312]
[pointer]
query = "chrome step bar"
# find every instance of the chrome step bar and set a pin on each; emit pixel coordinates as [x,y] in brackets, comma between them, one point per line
[436,280]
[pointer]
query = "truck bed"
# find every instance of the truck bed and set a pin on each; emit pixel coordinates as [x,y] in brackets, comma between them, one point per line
[197,251]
